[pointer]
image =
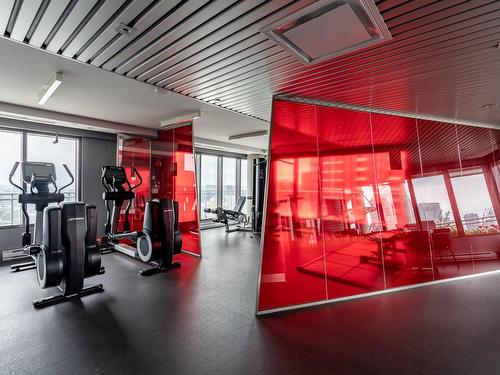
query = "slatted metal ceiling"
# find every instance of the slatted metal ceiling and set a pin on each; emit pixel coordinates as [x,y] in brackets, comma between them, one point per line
[443,58]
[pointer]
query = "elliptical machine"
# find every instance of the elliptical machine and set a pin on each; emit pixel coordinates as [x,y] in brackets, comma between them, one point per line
[160,238]
[67,252]
[41,197]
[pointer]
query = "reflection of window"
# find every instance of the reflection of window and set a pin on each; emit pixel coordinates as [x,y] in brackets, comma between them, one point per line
[208,184]
[496,174]
[474,202]
[10,210]
[228,182]
[433,202]
[43,149]
[370,205]
[386,200]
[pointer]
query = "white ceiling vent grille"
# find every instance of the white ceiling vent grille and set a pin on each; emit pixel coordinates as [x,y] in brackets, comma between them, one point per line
[327,29]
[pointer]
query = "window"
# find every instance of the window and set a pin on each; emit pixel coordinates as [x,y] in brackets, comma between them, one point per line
[244,178]
[433,202]
[42,148]
[10,210]
[474,202]
[221,181]
[208,184]
[228,182]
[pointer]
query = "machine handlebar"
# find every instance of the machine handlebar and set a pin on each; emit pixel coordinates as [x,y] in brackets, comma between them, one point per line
[140,179]
[12,172]
[70,176]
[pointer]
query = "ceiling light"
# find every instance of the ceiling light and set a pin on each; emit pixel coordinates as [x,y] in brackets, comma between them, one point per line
[53,85]
[326,29]
[247,135]
[180,119]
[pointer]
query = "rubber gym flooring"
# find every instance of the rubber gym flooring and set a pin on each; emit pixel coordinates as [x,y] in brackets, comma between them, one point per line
[200,319]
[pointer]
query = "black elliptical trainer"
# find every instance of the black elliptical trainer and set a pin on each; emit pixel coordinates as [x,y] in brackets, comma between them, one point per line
[160,238]
[40,196]
[68,252]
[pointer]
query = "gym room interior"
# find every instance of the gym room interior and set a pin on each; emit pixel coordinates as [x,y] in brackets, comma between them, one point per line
[249,186]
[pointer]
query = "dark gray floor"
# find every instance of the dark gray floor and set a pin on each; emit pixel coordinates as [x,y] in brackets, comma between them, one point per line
[200,320]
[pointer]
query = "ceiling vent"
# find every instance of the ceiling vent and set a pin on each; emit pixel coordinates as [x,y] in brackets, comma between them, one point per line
[328,29]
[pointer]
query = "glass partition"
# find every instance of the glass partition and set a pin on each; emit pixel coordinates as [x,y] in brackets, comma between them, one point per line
[360,202]
[134,152]
[173,177]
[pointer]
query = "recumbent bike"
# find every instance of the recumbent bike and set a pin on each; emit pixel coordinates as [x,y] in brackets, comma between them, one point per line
[66,252]
[160,238]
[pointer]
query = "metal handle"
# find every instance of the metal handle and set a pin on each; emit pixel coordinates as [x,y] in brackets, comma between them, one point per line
[140,179]
[70,175]
[12,173]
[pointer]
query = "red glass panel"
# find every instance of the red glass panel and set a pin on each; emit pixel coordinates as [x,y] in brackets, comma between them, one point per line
[477,198]
[406,242]
[292,237]
[351,209]
[135,153]
[174,177]
[359,202]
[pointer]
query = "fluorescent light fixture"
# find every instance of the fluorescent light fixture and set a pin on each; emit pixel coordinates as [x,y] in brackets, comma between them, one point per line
[53,85]
[247,135]
[329,28]
[180,119]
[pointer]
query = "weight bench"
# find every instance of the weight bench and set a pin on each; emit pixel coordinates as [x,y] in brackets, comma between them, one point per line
[224,216]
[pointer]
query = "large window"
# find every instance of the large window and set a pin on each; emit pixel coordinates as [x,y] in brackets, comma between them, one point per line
[228,183]
[208,184]
[61,151]
[10,211]
[42,148]
[244,178]
[221,180]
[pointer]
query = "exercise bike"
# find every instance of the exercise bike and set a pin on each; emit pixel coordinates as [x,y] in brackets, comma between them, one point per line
[160,238]
[68,251]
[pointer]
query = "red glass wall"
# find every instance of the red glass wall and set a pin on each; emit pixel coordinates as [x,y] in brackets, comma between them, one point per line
[360,202]
[173,176]
[134,152]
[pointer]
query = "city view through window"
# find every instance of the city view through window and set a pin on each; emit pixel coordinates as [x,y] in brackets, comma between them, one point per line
[39,148]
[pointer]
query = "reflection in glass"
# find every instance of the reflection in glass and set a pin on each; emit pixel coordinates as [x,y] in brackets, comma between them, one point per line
[476,210]
[360,202]
[134,152]
[433,203]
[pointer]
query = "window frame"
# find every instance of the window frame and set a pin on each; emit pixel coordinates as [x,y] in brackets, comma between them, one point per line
[24,153]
